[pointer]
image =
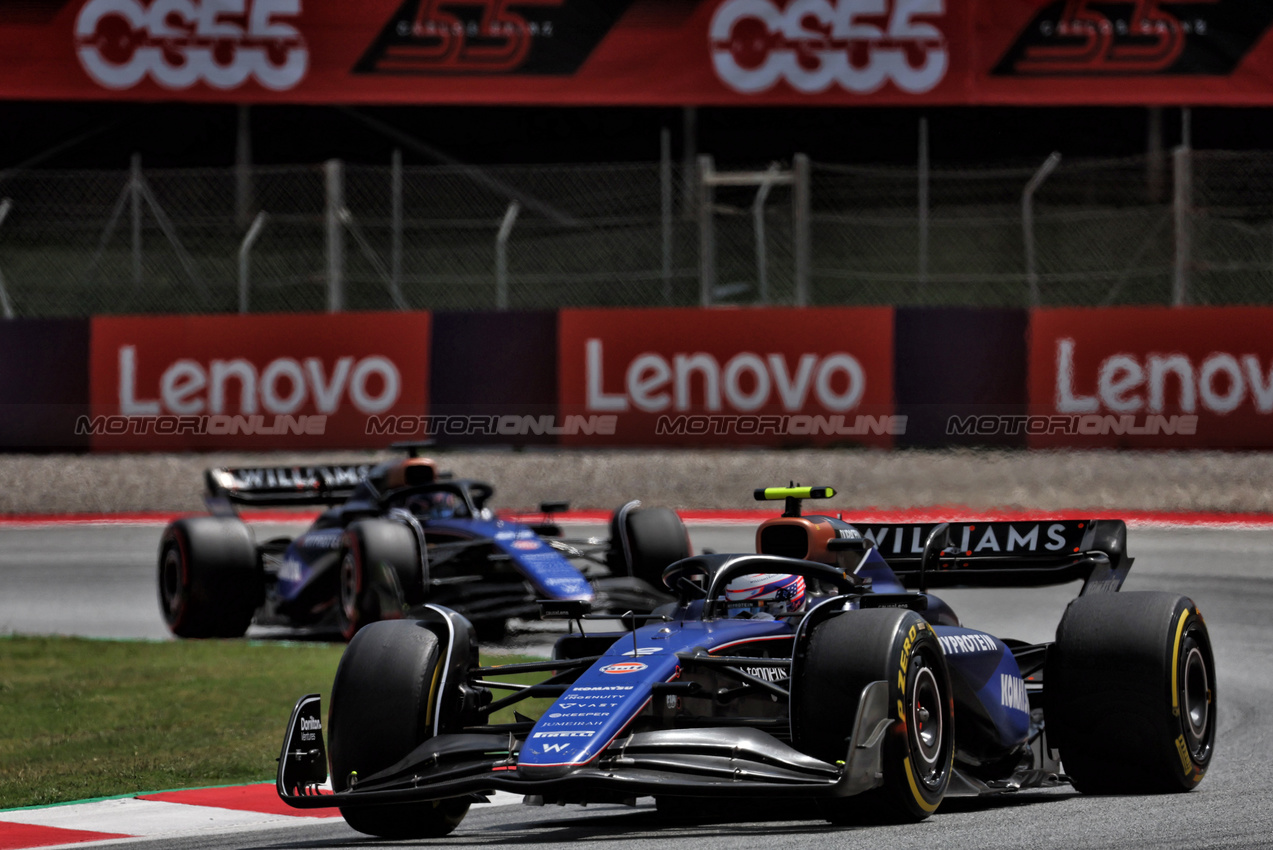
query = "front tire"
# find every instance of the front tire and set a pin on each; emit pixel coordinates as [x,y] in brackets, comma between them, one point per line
[383,703]
[210,581]
[842,656]
[379,575]
[1129,693]
[656,537]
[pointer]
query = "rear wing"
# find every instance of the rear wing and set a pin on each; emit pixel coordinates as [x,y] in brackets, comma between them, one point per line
[1008,554]
[267,486]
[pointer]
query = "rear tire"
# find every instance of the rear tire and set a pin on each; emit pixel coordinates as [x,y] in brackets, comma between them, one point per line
[842,656]
[1129,693]
[379,575]
[383,701]
[210,581]
[656,538]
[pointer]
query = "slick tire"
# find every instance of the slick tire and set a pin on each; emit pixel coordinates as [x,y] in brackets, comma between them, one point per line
[841,657]
[382,707]
[210,580]
[656,538]
[379,574]
[1130,693]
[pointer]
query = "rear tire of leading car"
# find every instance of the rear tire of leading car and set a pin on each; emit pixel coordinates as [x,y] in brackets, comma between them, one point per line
[842,656]
[379,574]
[210,580]
[656,538]
[383,703]
[1129,693]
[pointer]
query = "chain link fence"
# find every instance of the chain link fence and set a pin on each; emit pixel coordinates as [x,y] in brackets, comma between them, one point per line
[1193,227]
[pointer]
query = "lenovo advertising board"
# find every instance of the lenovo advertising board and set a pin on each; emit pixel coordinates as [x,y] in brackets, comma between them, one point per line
[642,52]
[295,381]
[772,377]
[1152,377]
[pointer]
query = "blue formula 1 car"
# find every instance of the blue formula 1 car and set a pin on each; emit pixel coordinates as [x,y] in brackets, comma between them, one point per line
[815,669]
[396,536]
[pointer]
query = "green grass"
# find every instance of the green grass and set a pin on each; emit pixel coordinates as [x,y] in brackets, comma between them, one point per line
[88,718]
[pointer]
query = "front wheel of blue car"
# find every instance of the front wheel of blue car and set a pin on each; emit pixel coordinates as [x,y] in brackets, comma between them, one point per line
[840,658]
[1130,693]
[384,703]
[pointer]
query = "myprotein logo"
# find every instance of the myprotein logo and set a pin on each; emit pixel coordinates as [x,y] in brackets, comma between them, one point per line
[1126,382]
[178,43]
[745,382]
[858,45]
[280,386]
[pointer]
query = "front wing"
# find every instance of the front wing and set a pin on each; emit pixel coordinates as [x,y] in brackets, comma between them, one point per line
[705,762]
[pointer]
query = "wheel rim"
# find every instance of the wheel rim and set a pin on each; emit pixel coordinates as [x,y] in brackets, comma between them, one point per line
[927,723]
[1196,697]
[170,582]
[349,587]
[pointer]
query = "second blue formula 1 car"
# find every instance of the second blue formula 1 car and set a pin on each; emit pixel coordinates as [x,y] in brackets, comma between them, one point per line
[814,669]
[398,535]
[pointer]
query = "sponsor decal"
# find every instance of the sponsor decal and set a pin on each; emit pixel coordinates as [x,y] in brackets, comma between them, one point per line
[980,538]
[555,748]
[1122,37]
[291,570]
[1196,377]
[769,674]
[557,714]
[576,734]
[179,43]
[965,644]
[527,545]
[1012,693]
[624,667]
[471,37]
[643,651]
[582,688]
[814,45]
[754,377]
[258,381]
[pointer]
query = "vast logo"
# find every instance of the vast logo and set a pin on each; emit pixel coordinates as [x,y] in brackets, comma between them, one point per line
[490,36]
[178,43]
[814,44]
[1197,37]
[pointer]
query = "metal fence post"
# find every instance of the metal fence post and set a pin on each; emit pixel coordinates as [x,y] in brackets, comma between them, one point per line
[501,255]
[758,226]
[665,208]
[1027,221]
[245,259]
[1183,179]
[802,221]
[395,228]
[135,199]
[706,232]
[6,309]
[922,203]
[334,171]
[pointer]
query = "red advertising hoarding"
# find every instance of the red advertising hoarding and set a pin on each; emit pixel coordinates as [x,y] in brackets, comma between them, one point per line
[1151,377]
[647,52]
[669,377]
[291,381]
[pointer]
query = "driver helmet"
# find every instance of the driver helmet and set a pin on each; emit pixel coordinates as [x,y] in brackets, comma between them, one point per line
[771,594]
[440,505]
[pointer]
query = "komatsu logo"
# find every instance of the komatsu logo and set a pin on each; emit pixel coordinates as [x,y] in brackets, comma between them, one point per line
[1012,693]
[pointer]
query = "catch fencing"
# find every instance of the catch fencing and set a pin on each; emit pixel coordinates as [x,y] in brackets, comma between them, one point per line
[1189,227]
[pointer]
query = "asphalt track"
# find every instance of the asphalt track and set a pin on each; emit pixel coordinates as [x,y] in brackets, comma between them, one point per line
[99,581]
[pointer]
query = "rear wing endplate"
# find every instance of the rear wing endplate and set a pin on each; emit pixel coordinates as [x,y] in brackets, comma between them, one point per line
[1009,554]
